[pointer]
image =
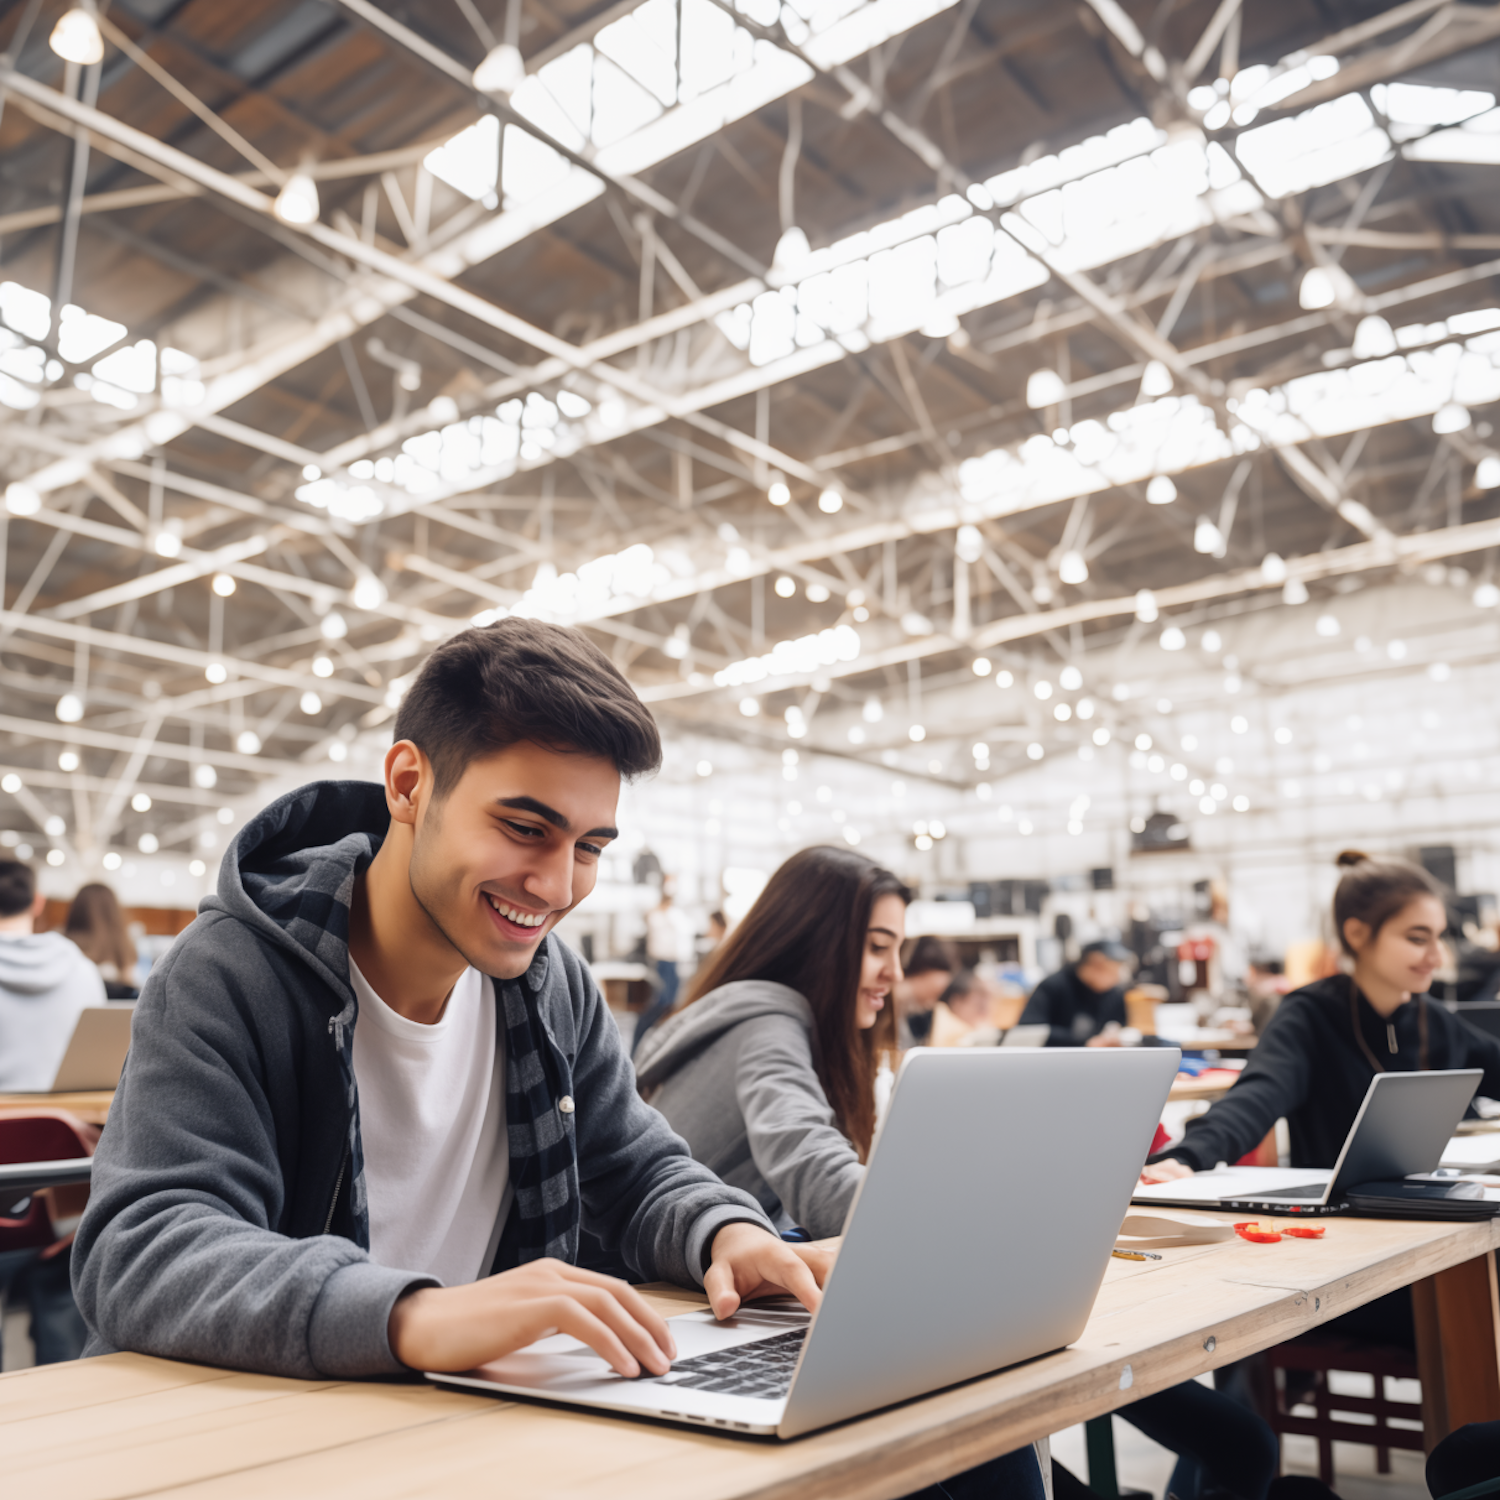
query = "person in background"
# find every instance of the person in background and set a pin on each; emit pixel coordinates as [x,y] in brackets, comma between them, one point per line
[717,927]
[1326,1041]
[768,1072]
[1083,1004]
[668,945]
[45,982]
[96,924]
[962,1017]
[928,969]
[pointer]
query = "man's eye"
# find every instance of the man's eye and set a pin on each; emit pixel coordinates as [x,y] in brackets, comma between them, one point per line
[526,830]
[593,849]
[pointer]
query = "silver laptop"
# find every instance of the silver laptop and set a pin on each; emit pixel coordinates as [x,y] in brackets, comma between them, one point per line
[1402,1127]
[978,1239]
[96,1050]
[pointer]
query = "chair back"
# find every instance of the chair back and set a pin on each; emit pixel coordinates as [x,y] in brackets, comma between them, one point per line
[38,1135]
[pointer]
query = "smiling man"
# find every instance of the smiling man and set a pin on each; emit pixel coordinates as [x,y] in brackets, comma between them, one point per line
[372,1108]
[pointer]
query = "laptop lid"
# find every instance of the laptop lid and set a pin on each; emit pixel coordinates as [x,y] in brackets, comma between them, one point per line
[984,1224]
[96,1050]
[1403,1125]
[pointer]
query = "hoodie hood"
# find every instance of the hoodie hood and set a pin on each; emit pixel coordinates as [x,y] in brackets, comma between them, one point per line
[677,1041]
[37,963]
[290,871]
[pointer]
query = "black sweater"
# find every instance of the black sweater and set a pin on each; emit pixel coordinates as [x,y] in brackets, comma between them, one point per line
[1074,1012]
[1309,1067]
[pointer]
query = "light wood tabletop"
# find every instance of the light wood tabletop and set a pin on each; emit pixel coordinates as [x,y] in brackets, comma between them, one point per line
[92,1107]
[128,1425]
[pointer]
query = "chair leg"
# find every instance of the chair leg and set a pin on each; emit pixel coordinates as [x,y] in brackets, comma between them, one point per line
[1382,1460]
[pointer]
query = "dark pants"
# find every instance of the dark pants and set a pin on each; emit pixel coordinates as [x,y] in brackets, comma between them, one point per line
[1217,1441]
[661,1002]
[1464,1459]
[1016,1476]
[57,1327]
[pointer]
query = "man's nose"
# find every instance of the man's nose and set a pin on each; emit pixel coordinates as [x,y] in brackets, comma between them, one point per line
[550,877]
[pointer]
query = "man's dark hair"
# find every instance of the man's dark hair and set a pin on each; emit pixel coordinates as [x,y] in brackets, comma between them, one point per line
[929,954]
[962,983]
[492,687]
[17,887]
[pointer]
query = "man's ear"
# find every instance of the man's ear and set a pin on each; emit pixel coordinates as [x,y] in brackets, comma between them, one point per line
[408,781]
[38,904]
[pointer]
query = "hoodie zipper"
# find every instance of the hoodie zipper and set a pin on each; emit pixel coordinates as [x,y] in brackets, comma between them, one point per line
[338,1183]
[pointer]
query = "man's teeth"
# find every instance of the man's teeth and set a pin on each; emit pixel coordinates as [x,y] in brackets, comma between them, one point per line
[520,918]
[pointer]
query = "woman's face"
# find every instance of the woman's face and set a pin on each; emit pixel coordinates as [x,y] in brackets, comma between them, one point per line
[1407,950]
[880,971]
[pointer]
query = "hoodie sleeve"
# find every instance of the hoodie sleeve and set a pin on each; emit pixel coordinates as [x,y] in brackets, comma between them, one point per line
[176,1255]
[798,1148]
[643,1194]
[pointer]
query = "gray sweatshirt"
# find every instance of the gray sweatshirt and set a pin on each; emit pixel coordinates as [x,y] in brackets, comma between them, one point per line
[733,1074]
[45,981]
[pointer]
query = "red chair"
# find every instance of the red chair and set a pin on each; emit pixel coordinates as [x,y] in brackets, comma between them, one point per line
[43,1135]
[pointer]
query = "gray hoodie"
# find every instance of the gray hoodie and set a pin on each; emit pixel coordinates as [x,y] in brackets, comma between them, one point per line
[45,981]
[734,1075]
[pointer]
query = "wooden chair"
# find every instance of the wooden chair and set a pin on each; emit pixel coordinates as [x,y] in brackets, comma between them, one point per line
[1317,1354]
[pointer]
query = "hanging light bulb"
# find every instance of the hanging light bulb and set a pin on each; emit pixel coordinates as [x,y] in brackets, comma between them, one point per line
[1207,538]
[1044,388]
[1450,417]
[1374,338]
[1071,568]
[1487,473]
[297,202]
[778,493]
[1145,606]
[1273,568]
[369,592]
[792,252]
[1157,379]
[503,70]
[69,708]
[76,37]
[1161,490]
[21,499]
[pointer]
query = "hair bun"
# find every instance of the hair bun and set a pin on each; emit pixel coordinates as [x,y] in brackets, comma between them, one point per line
[1348,858]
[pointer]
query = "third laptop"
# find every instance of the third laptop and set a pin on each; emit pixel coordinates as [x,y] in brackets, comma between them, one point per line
[1402,1127]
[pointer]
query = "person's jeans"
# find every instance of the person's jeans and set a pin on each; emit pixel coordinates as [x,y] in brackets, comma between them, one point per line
[57,1327]
[1015,1476]
[1217,1441]
[660,1004]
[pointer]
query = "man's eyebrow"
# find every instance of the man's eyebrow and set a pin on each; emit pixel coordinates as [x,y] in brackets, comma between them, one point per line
[555,818]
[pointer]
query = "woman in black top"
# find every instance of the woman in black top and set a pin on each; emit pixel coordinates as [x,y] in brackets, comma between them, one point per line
[1328,1039]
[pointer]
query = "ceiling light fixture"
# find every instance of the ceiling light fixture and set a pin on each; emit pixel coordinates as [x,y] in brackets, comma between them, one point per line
[76,37]
[297,202]
[502,72]
[1044,388]
[1161,491]
[1072,569]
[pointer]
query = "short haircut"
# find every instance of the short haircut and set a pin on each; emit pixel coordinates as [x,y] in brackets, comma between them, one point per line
[965,982]
[519,680]
[929,955]
[17,887]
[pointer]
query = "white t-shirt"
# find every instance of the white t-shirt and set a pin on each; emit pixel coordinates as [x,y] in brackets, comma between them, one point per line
[669,936]
[432,1122]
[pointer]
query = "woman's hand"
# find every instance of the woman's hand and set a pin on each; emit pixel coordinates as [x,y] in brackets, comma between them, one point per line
[1168,1170]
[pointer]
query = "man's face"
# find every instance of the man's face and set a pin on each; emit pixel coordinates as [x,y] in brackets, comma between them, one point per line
[511,850]
[1101,973]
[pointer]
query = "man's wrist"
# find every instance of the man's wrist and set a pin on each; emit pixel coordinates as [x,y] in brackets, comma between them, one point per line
[712,1239]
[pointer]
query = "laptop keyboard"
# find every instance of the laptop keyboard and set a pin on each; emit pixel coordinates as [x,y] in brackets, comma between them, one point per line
[762,1369]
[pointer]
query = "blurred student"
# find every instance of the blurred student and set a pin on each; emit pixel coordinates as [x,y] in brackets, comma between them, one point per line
[1083,1004]
[717,927]
[769,1070]
[1326,1041]
[962,1017]
[929,970]
[668,945]
[768,1073]
[96,924]
[45,982]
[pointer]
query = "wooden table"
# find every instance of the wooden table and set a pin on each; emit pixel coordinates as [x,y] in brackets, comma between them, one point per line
[1207,1089]
[127,1425]
[91,1108]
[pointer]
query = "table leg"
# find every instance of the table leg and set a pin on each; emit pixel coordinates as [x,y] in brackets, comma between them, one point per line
[1458,1346]
[1099,1443]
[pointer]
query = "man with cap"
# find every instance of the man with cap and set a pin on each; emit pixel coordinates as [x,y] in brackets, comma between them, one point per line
[1083,1004]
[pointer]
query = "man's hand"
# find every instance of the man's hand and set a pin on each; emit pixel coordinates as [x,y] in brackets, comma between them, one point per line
[458,1327]
[1167,1170]
[750,1262]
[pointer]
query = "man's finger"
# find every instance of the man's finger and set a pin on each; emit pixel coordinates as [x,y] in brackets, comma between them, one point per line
[633,1303]
[795,1277]
[718,1283]
[642,1346]
[572,1317]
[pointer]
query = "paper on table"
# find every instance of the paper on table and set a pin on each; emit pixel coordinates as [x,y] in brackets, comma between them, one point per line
[1154,1231]
[1473,1153]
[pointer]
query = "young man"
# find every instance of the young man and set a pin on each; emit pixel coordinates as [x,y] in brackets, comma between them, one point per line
[371,1106]
[1083,1003]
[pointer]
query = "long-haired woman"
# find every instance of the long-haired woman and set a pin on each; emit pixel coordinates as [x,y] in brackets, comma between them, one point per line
[96,924]
[768,1070]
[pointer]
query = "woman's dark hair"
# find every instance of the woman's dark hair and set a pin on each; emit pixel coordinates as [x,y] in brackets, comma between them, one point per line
[1372,891]
[929,954]
[807,930]
[494,686]
[97,925]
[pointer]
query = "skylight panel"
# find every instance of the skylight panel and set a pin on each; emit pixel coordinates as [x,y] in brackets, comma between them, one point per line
[531,167]
[621,105]
[1325,144]
[644,44]
[132,368]
[1477,141]
[559,97]
[470,161]
[24,310]
[712,50]
[82,335]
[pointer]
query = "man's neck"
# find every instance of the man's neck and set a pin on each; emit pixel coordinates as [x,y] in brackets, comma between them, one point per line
[23,924]
[403,956]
